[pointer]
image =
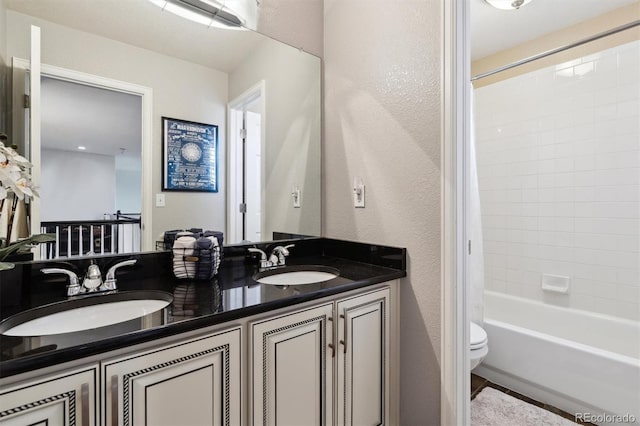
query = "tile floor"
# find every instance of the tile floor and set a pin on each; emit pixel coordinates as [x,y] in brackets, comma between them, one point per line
[478,383]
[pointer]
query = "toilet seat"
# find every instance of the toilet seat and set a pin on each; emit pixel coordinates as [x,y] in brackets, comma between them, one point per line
[478,337]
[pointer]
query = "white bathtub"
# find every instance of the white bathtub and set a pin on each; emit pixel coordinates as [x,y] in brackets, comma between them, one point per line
[573,360]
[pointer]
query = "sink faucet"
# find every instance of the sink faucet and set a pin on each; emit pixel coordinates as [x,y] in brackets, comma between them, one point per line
[279,254]
[277,257]
[110,280]
[74,287]
[92,282]
[264,263]
[93,278]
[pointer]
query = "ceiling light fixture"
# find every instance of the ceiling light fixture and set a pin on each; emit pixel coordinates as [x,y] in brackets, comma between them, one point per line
[507,4]
[82,148]
[206,12]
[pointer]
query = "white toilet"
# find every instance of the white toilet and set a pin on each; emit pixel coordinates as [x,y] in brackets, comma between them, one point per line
[479,345]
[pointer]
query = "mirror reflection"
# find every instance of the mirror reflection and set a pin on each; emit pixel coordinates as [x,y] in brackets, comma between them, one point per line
[111,69]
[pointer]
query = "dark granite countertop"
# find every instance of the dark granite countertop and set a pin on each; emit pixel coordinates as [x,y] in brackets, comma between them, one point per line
[231,295]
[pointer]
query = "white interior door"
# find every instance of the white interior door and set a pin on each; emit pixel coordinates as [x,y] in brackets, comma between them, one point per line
[245,166]
[253,176]
[234,178]
[34,128]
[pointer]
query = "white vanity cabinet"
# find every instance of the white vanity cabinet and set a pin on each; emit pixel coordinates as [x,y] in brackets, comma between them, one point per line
[294,357]
[292,368]
[67,399]
[363,359]
[193,383]
[333,361]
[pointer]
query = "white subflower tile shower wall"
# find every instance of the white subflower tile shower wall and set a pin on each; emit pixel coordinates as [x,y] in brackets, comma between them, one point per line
[558,164]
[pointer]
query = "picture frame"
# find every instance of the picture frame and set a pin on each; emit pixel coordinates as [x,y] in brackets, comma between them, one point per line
[189,156]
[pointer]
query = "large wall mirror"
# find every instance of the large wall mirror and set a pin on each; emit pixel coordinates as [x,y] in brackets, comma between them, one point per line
[112,69]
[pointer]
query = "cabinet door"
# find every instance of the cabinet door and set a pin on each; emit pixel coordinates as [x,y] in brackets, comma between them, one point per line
[292,369]
[193,383]
[63,400]
[363,354]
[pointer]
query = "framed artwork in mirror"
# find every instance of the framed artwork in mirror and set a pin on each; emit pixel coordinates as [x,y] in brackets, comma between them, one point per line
[189,156]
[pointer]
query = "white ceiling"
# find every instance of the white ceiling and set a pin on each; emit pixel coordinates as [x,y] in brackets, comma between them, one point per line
[493,30]
[103,121]
[142,24]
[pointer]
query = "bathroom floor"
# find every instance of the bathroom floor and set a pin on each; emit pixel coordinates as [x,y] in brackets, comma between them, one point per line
[478,383]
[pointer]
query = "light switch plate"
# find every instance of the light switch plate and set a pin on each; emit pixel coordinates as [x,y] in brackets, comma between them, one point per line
[358,196]
[160,202]
[296,195]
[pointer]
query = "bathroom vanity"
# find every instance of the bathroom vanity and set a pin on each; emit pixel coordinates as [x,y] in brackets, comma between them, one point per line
[230,351]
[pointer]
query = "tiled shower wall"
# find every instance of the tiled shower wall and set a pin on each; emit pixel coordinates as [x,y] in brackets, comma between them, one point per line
[558,164]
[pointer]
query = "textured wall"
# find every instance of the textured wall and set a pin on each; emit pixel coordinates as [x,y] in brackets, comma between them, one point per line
[382,124]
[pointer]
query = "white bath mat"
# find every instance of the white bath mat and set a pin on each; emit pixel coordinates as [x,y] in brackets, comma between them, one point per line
[494,408]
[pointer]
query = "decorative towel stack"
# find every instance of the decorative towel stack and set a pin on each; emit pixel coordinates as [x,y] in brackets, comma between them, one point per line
[170,236]
[196,255]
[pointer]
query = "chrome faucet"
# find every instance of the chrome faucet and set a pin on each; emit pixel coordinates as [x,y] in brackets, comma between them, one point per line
[279,254]
[277,257]
[74,287]
[264,263]
[92,282]
[93,279]
[110,280]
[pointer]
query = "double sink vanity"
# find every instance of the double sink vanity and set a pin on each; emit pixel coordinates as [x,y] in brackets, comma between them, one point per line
[312,342]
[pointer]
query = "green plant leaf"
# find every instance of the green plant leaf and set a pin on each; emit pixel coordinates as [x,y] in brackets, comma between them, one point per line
[27,242]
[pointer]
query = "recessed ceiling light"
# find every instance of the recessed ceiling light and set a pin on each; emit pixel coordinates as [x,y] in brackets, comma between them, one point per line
[507,4]
[82,148]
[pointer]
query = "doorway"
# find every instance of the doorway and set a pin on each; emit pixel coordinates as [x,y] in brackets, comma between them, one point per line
[92,133]
[246,171]
[141,155]
[95,134]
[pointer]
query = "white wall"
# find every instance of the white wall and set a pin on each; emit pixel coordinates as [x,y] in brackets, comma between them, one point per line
[558,159]
[76,186]
[296,22]
[180,90]
[292,121]
[128,184]
[382,114]
[3,30]
[4,71]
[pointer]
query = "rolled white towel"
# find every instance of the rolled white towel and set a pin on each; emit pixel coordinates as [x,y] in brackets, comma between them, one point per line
[186,242]
[184,246]
[184,234]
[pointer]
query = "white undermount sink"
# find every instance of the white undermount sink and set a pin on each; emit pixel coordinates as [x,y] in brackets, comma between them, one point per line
[85,313]
[297,275]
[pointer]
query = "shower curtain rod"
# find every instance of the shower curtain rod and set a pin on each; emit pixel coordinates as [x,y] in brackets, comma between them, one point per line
[557,50]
